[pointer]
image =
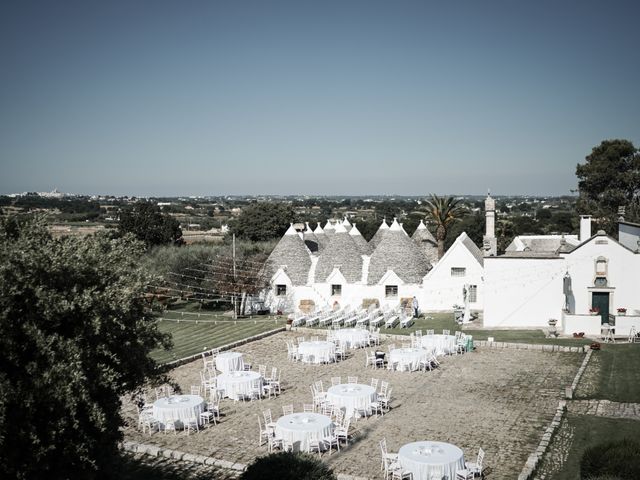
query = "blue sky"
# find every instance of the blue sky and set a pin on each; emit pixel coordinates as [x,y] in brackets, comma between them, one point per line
[325,97]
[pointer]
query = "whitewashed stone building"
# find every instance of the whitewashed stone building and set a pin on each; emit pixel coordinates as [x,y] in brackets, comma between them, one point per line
[580,282]
[335,266]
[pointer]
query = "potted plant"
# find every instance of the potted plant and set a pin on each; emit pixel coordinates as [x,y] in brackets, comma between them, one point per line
[622,311]
[595,346]
[594,311]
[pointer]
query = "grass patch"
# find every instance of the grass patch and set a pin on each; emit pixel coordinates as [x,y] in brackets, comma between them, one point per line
[527,336]
[618,378]
[588,431]
[190,338]
[439,321]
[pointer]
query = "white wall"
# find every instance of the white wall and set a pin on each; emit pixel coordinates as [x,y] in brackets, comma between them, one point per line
[589,324]
[522,292]
[624,324]
[441,291]
[623,274]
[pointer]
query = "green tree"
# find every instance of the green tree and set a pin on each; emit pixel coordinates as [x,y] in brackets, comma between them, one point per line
[443,211]
[288,466]
[610,178]
[263,221]
[74,338]
[148,224]
[472,225]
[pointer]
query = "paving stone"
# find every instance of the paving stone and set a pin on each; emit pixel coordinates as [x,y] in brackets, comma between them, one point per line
[500,399]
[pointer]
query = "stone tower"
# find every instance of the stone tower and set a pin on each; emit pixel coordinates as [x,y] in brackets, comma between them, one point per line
[489,241]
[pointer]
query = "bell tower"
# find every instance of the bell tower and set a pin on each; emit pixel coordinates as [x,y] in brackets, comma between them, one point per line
[489,241]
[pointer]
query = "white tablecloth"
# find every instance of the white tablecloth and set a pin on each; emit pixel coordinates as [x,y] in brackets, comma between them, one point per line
[428,460]
[351,396]
[316,352]
[229,362]
[178,408]
[299,428]
[442,344]
[238,384]
[353,337]
[407,358]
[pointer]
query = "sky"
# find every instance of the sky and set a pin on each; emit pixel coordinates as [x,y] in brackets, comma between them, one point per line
[161,98]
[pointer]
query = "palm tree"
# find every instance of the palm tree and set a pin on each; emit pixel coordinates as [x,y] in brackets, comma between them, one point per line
[444,211]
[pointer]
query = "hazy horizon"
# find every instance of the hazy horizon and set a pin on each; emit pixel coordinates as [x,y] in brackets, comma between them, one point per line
[164,98]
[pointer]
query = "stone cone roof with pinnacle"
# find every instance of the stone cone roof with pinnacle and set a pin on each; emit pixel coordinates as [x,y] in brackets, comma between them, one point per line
[397,252]
[329,228]
[291,254]
[322,238]
[346,224]
[382,229]
[310,239]
[341,252]
[358,239]
[426,242]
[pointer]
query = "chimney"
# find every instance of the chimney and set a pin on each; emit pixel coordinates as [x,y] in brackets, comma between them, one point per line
[585,227]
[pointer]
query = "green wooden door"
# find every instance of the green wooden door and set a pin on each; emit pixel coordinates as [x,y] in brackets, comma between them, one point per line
[600,300]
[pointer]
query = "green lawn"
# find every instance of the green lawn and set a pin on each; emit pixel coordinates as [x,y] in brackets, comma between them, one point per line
[444,321]
[589,431]
[190,338]
[527,336]
[618,378]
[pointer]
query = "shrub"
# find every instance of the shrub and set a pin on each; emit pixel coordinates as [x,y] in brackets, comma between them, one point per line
[618,459]
[288,466]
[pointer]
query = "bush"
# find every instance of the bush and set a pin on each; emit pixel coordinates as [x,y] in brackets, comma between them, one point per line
[619,459]
[288,466]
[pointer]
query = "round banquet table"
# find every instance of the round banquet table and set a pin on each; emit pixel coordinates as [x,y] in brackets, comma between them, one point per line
[407,358]
[427,460]
[441,344]
[229,362]
[299,428]
[238,384]
[353,397]
[178,408]
[318,351]
[353,337]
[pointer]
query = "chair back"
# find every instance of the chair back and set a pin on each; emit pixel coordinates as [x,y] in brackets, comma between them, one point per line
[480,458]
[446,332]
[287,409]
[352,379]
[336,381]
[267,416]
[374,383]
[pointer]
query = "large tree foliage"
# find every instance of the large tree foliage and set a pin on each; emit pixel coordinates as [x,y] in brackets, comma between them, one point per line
[74,338]
[288,466]
[443,212]
[263,221]
[610,178]
[149,224]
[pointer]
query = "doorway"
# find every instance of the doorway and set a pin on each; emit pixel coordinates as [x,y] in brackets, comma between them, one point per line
[600,300]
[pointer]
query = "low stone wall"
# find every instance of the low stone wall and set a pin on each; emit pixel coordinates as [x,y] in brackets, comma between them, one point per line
[533,460]
[530,346]
[155,451]
[535,457]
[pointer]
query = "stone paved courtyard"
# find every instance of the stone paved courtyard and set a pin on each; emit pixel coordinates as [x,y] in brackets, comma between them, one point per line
[500,400]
